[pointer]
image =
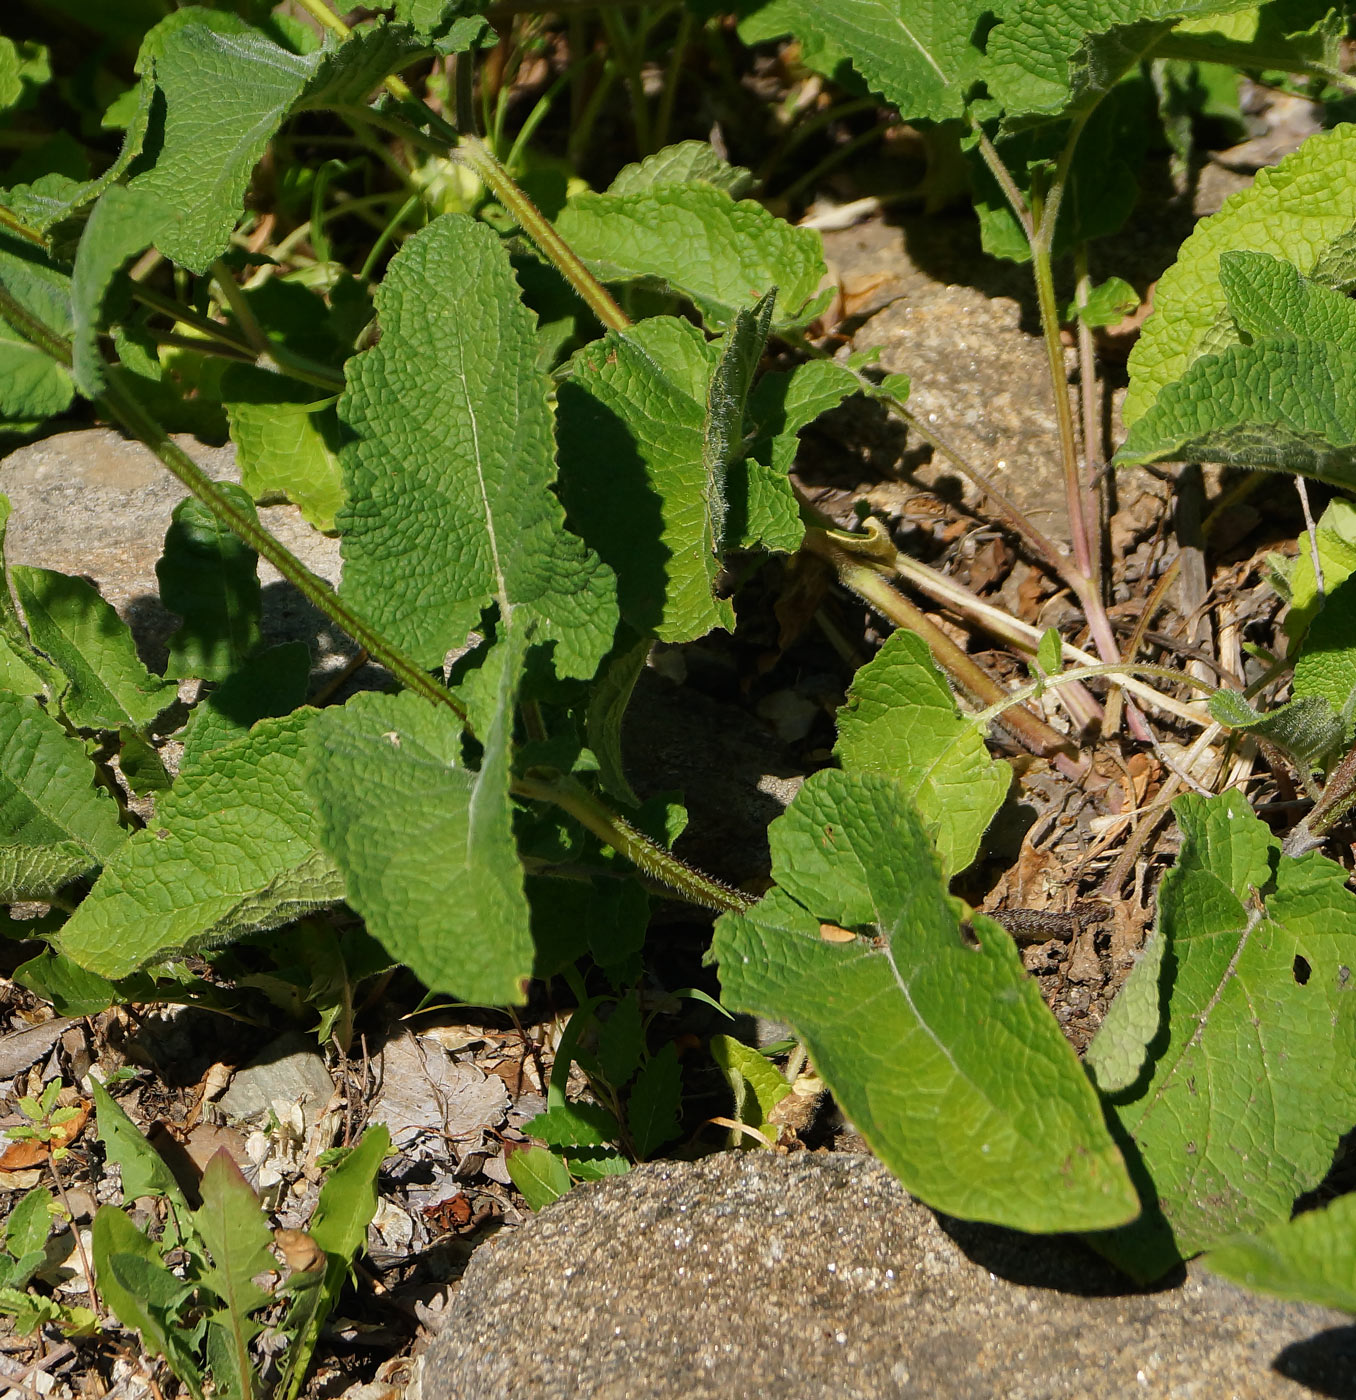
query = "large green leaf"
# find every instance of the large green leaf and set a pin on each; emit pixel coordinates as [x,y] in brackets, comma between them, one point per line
[1281,396]
[1295,211]
[695,239]
[427,845]
[109,686]
[234,847]
[210,577]
[451,463]
[32,384]
[924,1025]
[1311,1259]
[54,823]
[1249,1083]
[901,720]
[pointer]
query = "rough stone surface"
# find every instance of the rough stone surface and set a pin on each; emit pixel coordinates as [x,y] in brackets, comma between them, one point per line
[751,1275]
[287,1072]
[94,503]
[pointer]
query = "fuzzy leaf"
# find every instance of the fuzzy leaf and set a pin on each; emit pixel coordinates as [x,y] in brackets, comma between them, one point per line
[783,403]
[426,845]
[1295,211]
[607,710]
[209,576]
[758,1085]
[632,422]
[226,89]
[688,162]
[452,462]
[1310,1259]
[108,684]
[54,824]
[270,683]
[900,720]
[1249,1087]
[124,221]
[234,847]
[699,242]
[1307,728]
[1326,668]
[941,1052]
[287,441]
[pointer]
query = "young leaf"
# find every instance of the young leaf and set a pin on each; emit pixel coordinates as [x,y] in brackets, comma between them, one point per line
[608,700]
[108,684]
[723,432]
[210,577]
[901,721]
[143,1170]
[539,1175]
[1336,535]
[427,846]
[1295,210]
[452,458]
[621,1042]
[784,402]
[576,1124]
[652,1111]
[1050,652]
[757,1084]
[1326,668]
[234,847]
[1305,728]
[689,162]
[142,1292]
[54,824]
[636,437]
[702,244]
[1108,302]
[940,1051]
[26,1231]
[1249,1088]
[1310,1259]
[1119,1049]
[231,1224]
[287,441]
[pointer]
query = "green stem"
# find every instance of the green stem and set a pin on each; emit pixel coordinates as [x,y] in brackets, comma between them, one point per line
[646,855]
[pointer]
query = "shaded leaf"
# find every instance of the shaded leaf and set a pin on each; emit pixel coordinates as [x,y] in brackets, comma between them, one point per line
[540,1175]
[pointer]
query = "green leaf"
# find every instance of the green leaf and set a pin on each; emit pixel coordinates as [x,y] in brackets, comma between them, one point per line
[696,241]
[70,989]
[29,1224]
[141,1291]
[631,420]
[231,1223]
[783,403]
[1050,652]
[287,441]
[54,824]
[621,1042]
[688,162]
[235,847]
[209,576]
[606,711]
[348,72]
[1295,211]
[108,684]
[427,846]
[32,384]
[143,1170]
[1306,728]
[1310,1259]
[1108,302]
[757,1084]
[452,458]
[925,1028]
[270,683]
[125,221]
[575,1124]
[652,1110]
[1326,668]
[1336,538]
[540,1175]
[901,721]
[226,89]
[739,351]
[922,57]
[1250,1086]
[1118,1051]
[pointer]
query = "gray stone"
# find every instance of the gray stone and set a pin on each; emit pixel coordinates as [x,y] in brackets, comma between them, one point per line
[287,1072]
[96,504]
[752,1275]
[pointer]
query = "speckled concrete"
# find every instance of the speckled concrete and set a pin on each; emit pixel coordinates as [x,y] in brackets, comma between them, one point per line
[750,1276]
